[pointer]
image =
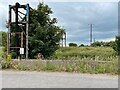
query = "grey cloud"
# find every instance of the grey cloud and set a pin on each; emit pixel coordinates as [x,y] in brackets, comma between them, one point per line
[76,17]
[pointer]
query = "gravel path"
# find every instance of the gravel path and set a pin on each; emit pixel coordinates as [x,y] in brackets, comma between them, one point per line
[22,79]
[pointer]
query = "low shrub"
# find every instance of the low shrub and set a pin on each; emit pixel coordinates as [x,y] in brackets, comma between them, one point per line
[6,63]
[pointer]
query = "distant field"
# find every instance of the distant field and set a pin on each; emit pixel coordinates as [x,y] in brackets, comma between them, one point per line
[80,53]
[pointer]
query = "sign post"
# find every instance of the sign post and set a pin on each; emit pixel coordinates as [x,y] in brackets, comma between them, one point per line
[21,52]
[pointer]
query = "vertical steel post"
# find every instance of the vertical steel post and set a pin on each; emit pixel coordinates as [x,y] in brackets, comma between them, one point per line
[16,28]
[16,17]
[65,39]
[94,40]
[90,34]
[8,36]
[27,22]
[62,41]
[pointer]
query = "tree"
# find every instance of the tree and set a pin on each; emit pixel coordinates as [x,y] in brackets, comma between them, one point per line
[82,45]
[72,45]
[116,46]
[97,43]
[4,39]
[104,44]
[44,35]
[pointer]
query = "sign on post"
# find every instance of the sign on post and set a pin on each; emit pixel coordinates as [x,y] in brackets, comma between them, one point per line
[21,50]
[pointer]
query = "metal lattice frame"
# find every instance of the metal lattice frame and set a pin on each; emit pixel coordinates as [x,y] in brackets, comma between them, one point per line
[21,19]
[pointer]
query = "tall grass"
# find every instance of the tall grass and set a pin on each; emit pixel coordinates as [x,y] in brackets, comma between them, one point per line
[81,53]
[66,66]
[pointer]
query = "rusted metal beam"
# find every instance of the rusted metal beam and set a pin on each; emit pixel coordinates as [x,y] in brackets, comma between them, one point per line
[21,39]
[15,47]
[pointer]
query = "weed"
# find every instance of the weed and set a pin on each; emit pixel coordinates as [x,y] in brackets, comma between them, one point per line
[6,63]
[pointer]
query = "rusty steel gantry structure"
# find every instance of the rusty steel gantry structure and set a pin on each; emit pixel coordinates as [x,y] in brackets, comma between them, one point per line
[18,25]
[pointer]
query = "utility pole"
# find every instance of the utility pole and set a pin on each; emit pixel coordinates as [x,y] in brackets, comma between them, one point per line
[94,40]
[91,26]
[65,39]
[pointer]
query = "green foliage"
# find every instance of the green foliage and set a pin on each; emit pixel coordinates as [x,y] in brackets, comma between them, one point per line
[3,52]
[96,44]
[6,63]
[100,69]
[103,44]
[4,39]
[116,46]
[3,43]
[14,54]
[72,45]
[44,34]
[82,45]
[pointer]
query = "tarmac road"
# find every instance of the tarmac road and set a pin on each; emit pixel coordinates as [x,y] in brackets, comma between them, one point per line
[22,79]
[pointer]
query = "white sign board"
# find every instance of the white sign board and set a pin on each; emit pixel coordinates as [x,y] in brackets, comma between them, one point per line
[21,50]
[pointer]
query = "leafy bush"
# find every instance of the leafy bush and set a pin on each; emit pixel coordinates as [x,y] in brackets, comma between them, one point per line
[3,53]
[116,46]
[72,45]
[82,45]
[6,63]
[100,69]
[103,44]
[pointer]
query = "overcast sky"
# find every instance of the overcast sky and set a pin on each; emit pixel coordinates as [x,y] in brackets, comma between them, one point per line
[75,18]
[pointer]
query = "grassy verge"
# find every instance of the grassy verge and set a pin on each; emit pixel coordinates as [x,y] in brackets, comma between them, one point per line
[72,59]
[79,67]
